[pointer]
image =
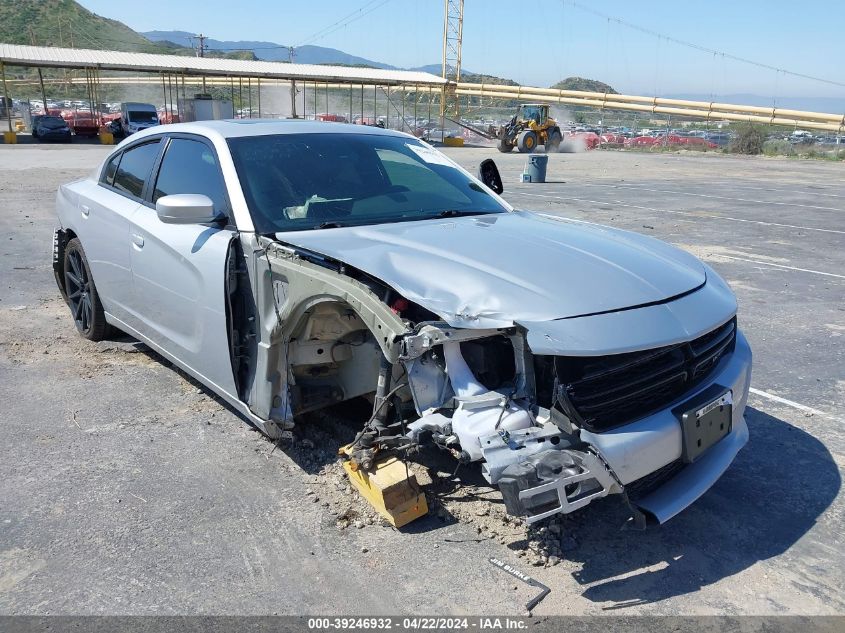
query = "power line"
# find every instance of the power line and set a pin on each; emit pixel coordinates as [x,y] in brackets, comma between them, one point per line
[359,13]
[698,47]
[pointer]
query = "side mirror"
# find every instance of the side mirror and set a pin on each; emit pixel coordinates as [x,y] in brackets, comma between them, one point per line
[488,173]
[186,208]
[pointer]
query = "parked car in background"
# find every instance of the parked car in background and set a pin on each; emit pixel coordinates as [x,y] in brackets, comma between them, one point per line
[721,139]
[435,135]
[697,141]
[328,116]
[135,117]
[82,121]
[612,138]
[642,141]
[802,137]
[51,128]
[34,124]
[290,266]
[578,141]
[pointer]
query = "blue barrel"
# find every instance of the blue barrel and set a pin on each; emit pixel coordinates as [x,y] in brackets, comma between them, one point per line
[535,168]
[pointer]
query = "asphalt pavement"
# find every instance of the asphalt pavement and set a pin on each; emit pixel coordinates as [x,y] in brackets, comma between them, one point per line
[126,488]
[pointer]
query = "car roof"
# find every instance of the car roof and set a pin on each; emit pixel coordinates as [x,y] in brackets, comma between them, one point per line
[235,128]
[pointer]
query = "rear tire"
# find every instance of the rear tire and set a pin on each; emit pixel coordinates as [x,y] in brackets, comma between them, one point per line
[526,142]
[82,297]
[503,146]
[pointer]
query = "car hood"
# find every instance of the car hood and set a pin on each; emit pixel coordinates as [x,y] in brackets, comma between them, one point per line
[495,270]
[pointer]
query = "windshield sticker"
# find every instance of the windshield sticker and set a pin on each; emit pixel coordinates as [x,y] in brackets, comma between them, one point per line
[429,154]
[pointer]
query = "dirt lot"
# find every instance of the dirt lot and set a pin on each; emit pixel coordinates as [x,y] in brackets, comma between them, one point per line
[125,487]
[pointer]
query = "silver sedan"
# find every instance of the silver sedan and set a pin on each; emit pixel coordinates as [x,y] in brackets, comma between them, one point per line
[292,265]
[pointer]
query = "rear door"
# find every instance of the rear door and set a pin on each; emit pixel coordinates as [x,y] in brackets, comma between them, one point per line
[105,209]
[178,270]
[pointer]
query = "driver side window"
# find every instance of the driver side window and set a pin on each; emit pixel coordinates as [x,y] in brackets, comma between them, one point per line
[190,166]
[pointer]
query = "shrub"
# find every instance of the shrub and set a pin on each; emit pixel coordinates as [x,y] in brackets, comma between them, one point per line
[778,147]
[749,139]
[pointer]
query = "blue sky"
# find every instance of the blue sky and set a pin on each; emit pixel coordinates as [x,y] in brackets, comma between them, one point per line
[548,39]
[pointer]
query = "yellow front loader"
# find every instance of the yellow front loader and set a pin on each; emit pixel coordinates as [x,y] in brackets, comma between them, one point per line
[530,127]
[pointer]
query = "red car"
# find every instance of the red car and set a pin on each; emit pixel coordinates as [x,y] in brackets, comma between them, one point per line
[590,140]
[698,142]
[642,141]
[82,122]
[612,139]
[335,118]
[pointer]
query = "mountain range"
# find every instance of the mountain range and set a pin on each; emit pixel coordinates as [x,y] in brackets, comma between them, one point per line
[275,52]
[269,51]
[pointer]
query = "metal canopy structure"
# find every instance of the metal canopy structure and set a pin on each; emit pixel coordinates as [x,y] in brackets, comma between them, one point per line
[80,58]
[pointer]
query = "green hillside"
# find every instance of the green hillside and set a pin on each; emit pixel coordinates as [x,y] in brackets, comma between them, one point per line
[477,78]
[587,85]
[68,24]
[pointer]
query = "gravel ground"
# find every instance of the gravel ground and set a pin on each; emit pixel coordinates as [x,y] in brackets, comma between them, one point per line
[127,488]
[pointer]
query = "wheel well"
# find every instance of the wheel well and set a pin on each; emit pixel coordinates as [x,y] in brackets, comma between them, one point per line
[332,356]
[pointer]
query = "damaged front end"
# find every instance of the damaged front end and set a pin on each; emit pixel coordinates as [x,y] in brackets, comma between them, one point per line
[476,395]
[556,413]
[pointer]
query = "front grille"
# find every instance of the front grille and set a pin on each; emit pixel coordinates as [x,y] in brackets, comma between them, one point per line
[603,392]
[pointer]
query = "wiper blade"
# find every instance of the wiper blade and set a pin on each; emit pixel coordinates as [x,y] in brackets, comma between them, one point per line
[329,225]
[454,213]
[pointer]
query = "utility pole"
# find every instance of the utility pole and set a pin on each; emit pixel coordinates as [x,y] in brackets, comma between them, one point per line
[202,47]
[40,76]
[291,54]
[201,53]
[7,102]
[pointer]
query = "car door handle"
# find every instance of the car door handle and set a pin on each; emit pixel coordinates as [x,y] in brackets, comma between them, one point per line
[85,209]
[138,240]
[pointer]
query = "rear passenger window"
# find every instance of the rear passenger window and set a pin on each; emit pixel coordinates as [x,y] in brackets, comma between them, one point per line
[190,167]
[111,169]
[135,168]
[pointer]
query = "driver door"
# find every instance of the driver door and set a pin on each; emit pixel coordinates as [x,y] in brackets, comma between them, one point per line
[179,270]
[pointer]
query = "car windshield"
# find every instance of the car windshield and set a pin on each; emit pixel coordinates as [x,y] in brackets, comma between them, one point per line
[138,116]
[52,122]
[306,181]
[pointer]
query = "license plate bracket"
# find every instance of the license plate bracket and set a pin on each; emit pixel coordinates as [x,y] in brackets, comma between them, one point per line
[705,420]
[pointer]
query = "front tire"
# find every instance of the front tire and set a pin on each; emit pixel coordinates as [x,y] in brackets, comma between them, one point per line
[82,297]
[526,142]
[503,146]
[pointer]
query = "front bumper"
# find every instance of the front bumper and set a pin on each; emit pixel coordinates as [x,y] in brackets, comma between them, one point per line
[695,479]
[647,445]
[55,136]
